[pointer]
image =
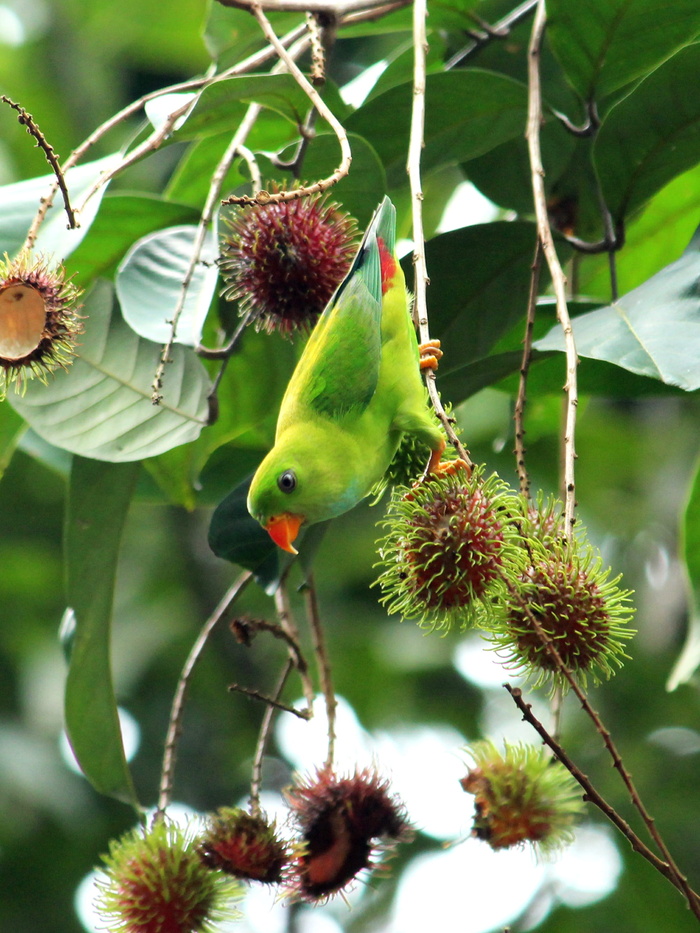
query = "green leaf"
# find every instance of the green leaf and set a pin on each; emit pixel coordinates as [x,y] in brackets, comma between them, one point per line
[654,330]
[149,284]
[123,218]
[689,658]
[651,136]
[469,313]
[11,430]
[19,204]
[468,113]
[98,500]
[189,183]
[604,44]
[101,405]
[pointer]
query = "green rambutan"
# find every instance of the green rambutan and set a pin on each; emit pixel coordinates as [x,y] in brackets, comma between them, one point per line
[579,608]
[451,543]
[282,261]
[522,795]
[154,881]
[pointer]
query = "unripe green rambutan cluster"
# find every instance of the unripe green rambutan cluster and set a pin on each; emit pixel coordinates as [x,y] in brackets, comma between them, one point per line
[468,551]
[521,796]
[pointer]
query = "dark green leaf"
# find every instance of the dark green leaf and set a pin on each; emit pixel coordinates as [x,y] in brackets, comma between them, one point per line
[468,113]
[604,44]
[651,135]
[11,430]
[123,219]
[190,181]
[653,330]
[475,300]
[98,500]
[101,405]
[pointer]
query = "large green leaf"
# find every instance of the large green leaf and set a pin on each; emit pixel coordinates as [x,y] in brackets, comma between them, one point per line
[476,300]
[604,44]
[101,405]
[468,113]
[149,284]
[19,204]
[651,136]
[653,330]
[11,430]
[189,183]
[98,500]
[123,218]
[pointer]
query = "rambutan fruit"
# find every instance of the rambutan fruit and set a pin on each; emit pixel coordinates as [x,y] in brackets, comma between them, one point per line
[39,322]
[343,822]
[243,845]
[282,261]
[451,543]
[154,881]
[582,612]
[521,795]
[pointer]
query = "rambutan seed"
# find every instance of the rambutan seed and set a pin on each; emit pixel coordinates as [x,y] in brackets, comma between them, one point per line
[282,261]
[39,320]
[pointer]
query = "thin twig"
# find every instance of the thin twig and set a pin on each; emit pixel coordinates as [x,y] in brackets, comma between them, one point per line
[269,701]
[175,723]
[196,84]
[500,30]
[599,801]
[534,123]
[413,167]
[244,630]
[284,614]
[25,119]
[206,217]
[263,738]
[331,8]
[520,402]
[324,665]
[551,649]
[265,197]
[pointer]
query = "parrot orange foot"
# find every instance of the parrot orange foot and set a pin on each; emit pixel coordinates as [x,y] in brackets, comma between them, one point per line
[450,467]
[430,353]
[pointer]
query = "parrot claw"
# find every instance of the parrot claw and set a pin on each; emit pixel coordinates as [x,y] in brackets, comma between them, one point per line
[430,353]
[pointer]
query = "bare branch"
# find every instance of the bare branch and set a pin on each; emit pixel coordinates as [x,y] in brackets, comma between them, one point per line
[500,30]
[175,724]
[413,167]
[264,736]
[534,123]
[324,665]
[524,369]
[334,9]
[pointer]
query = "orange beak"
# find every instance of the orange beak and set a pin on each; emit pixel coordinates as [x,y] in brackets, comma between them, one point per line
[283,530]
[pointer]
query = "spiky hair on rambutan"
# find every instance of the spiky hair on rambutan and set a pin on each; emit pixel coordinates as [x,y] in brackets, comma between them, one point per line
[154,881]
[451,543]
[521,796]
[345,824]
[244,845]
[571,597]
[39,320]
[282,261]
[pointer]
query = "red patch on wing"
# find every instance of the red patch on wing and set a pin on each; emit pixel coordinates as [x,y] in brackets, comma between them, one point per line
[388,266]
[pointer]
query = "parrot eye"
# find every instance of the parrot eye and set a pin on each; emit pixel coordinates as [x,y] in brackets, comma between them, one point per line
[287,481]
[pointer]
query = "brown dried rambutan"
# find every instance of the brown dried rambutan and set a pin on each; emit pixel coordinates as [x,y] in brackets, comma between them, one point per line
[451,543]
[243,845]
[342,821]
[521,796]
[38,320]
[283,260]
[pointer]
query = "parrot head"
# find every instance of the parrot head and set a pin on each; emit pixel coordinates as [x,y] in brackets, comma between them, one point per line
[300,482]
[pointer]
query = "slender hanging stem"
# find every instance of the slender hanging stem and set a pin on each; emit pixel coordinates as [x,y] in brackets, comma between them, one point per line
[263,738]
[324,665]
[176,712]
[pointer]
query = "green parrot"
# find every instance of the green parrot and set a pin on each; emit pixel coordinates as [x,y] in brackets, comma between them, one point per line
[355,391]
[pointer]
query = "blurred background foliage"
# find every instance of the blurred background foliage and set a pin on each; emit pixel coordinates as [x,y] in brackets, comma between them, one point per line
[72,63]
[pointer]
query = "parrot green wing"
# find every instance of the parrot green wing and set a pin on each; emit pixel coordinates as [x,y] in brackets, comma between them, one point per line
[339,369]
